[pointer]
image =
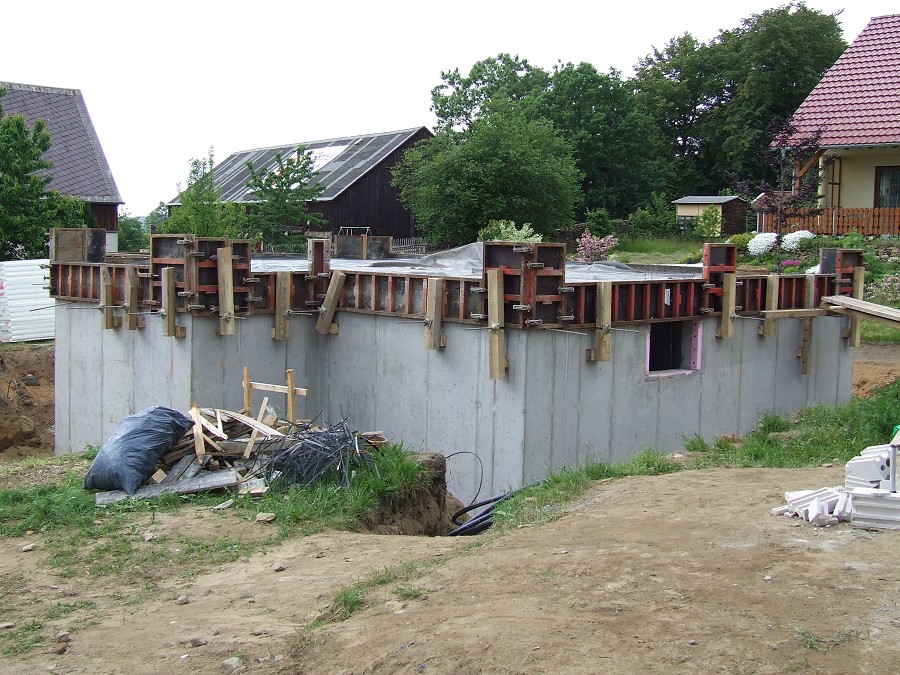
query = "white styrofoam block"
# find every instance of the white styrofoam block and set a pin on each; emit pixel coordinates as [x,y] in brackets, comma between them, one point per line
[869,492]
[831,520]
[797,494]
[828,496]
[878,510]
[818,512]
[886,484]
[843,510]
[876,450]
[781,510]
[854,482]
[872,467]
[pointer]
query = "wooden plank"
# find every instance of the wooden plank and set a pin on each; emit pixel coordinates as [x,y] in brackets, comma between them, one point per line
[177,471]
[207,481]
[806,346]
[281,330]
[770,327]
[602,350]
[859,280]
[842,304]
[329,306]
[498,359]
[133,320]
[278,388]
[433,306]
[211,428]
[248,391]
[792,313]
[255,432]
[225,272]
[110,320]
[264,429]
[289,395]
[170,329]
[199,447]
[729,293]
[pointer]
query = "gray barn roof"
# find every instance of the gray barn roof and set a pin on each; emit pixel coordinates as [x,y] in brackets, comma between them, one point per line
[339,161]
[79,167]
[713,199]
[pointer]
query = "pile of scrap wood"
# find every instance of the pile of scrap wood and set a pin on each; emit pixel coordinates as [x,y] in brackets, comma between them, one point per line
[226,449]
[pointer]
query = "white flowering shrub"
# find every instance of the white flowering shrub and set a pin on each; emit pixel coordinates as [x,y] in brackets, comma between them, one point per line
[791,241]
[762,243]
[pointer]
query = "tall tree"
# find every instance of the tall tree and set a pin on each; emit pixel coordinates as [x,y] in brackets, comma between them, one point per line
[156,218]
[617,146]
[460,99]
[201,211]
[714,102]
[23,186]
[133,234]
[281,197]
[504,167]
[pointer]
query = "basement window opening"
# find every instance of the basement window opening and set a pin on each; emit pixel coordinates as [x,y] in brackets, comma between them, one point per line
[673,347]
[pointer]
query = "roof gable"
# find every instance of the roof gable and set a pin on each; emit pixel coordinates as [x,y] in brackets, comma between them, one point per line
[700,199]
[857,102]
[79,167]
[340,162]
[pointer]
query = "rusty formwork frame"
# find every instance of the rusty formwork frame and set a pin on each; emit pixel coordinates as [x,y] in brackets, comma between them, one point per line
[535,292]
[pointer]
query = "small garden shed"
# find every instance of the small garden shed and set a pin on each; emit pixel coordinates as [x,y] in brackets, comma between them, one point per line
[733,211]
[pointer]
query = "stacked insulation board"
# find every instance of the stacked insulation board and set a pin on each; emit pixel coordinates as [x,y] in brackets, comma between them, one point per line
[26,308]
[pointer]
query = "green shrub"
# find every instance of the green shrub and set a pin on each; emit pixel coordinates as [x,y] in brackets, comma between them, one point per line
[708,223]
[506,230]
[600,223]
[741,240]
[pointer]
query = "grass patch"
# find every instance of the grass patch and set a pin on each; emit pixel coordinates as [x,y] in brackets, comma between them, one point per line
[814,435]
[813,642]
[879,333]
[658,251]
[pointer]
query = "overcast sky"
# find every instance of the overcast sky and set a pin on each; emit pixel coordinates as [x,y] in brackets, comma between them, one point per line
[164,81]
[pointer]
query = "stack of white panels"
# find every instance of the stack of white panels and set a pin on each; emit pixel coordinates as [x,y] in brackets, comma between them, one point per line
[26,308]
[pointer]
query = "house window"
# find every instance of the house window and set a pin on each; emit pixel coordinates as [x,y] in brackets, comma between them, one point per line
[673,347]
[887,186]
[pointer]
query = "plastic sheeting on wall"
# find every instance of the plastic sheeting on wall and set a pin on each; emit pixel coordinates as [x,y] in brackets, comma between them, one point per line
[26,308]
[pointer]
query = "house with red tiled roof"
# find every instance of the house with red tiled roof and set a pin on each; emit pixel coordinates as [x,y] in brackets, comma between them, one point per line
[856,110]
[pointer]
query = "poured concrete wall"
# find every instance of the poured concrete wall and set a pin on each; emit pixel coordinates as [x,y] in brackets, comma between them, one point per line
[554,409]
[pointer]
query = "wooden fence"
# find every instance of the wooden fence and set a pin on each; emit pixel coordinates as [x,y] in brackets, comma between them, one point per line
[838,222]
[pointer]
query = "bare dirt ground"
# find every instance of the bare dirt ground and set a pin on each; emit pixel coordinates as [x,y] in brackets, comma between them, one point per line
[680,573]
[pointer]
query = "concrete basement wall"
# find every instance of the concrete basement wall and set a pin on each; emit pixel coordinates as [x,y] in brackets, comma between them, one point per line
[554,409]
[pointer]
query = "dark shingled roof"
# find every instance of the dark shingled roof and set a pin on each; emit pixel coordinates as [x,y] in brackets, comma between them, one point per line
[714,199]
[857,102]
[79,168]
[341,162]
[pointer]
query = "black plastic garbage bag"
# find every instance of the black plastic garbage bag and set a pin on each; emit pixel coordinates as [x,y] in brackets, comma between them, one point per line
[131,454]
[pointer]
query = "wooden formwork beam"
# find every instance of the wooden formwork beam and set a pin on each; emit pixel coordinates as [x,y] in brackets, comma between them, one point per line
[729,295]
[225,274]
[169,328]
[602,350]
[281,330]
[329,305]
[434,338]
[499,361]
[859,280]
[133,320]
[110,320]
[769,326]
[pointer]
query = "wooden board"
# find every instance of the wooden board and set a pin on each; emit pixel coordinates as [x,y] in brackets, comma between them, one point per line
[770,327]
[433,306]
[499,361]
[329,306]
[208,481]
[225,272]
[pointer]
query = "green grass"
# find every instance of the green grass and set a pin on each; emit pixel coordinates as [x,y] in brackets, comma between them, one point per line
[812,436]
[879,333]
[658,251]
[813,642]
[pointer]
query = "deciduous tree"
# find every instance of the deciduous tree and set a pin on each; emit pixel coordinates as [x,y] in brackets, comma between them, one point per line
[504,167]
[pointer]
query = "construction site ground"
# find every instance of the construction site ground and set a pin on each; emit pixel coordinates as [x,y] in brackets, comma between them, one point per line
[685,572]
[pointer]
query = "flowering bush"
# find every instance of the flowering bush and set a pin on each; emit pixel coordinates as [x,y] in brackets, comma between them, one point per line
[885,291]
[790,266]
[791,241]
[506,230]
[762,243]
[592,249]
